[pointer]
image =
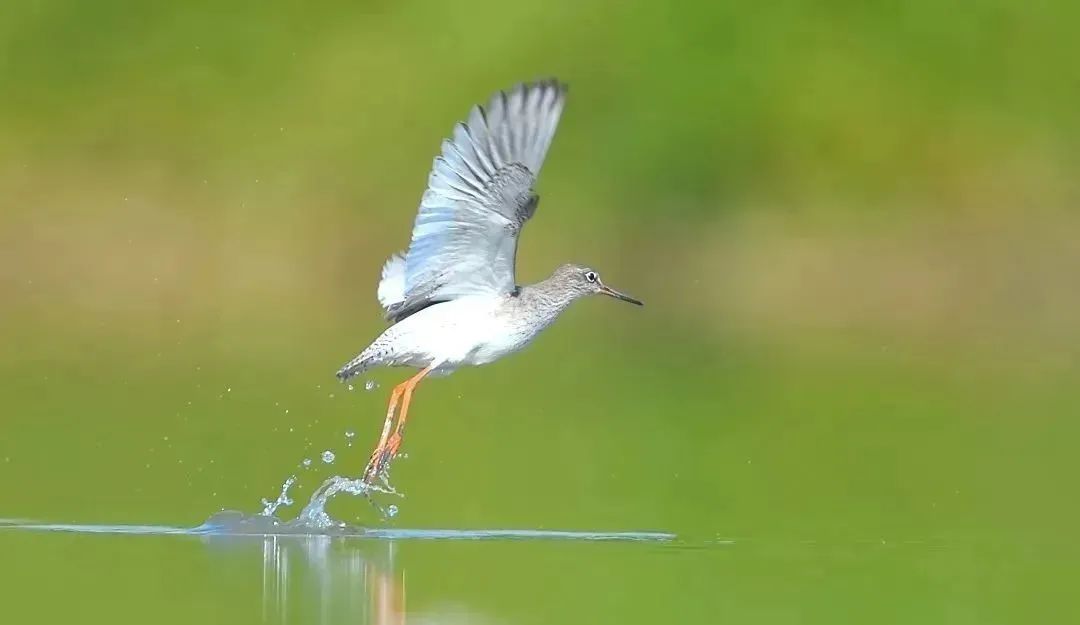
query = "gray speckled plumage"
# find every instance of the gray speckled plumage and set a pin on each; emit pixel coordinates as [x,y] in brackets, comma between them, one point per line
[477,330]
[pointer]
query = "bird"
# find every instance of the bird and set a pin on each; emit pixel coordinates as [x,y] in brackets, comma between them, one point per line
[451,297]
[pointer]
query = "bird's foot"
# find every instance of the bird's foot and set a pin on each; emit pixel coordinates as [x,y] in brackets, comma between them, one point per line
[392,447]
[378,466]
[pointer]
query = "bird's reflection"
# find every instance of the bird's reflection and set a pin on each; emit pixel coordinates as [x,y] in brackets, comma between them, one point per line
[322,580]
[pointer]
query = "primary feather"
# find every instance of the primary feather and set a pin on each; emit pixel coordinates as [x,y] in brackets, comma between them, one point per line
[479,195]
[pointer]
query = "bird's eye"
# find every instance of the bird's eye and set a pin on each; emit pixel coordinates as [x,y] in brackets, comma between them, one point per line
[591,276]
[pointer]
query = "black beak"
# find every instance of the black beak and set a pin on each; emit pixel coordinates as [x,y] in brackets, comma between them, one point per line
[606,290]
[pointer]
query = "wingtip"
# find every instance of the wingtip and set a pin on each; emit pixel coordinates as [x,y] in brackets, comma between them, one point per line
[552,81]
[547,82]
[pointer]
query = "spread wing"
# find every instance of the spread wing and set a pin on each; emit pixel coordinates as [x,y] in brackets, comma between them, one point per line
[479,195]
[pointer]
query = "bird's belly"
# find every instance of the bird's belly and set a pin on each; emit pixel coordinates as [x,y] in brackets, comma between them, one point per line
[496,345]
[463,332]
[487,338]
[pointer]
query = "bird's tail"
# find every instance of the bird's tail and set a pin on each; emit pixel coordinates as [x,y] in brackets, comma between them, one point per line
[356,366]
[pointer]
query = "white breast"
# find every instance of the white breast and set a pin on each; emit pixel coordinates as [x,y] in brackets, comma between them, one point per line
[466,331]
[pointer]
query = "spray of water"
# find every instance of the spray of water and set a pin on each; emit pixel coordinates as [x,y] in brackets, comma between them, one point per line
[270,507]
[314,516]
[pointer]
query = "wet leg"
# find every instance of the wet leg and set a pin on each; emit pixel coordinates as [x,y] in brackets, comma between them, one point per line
[394,443]
[371,470]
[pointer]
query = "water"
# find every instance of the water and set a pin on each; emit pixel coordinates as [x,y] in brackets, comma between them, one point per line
[394,576]
[313,517]
[232,523]
[831,489]
[804,481]
[314,514]
[271,507]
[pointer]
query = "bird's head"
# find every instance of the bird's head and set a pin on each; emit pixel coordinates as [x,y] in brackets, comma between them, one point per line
[579,280]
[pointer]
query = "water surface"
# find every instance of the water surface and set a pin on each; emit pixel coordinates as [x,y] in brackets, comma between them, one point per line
[176,575]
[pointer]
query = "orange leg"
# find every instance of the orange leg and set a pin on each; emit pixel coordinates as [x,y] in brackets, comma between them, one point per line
[374,461]
[394,443]
[388,445]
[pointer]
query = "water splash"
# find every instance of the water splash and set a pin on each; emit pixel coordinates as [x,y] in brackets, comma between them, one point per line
[314,515]
[270,507]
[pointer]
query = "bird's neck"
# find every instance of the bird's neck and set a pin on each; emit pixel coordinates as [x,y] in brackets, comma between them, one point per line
[545,297]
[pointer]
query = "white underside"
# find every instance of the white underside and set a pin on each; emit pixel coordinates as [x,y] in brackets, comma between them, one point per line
[466,331]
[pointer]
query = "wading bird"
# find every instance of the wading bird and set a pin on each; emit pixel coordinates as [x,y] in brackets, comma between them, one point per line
[451,297]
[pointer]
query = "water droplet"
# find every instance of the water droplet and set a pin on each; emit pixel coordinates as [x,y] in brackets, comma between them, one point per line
[350,387]
[331,395]
[370,385]
[306,462]
[328,456]
[350,434]
[391,511]
[270,507]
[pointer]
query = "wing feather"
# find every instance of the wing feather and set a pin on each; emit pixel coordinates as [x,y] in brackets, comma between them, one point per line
[479,196]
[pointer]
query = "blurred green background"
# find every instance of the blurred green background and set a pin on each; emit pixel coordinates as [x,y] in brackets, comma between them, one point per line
[854,225]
